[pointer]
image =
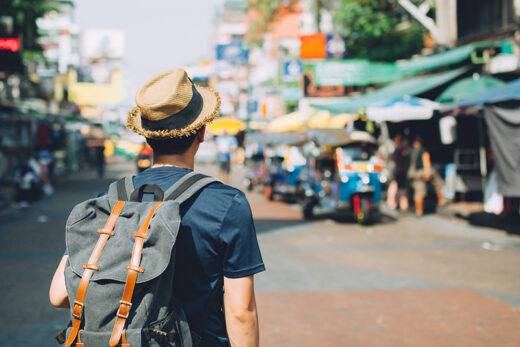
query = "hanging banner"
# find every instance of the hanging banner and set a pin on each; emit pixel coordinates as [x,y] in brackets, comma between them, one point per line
[313,46]
[354,72]
[233,52]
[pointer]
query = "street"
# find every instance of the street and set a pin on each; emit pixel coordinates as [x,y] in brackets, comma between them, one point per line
[406,281]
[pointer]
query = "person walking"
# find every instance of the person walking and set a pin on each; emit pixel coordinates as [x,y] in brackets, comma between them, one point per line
[216,240]
[398,188]
[226,145]
[420,173]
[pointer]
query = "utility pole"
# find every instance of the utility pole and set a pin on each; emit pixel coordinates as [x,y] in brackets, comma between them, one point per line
[444,28]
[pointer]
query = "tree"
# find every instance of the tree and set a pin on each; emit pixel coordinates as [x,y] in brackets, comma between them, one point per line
[376,30]
[24,14]
[263,13]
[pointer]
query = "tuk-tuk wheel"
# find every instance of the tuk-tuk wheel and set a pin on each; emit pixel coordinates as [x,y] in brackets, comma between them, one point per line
[363,216]
[308,210]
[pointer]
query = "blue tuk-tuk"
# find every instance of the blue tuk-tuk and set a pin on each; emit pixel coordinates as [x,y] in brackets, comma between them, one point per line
[284,166]
[345,176]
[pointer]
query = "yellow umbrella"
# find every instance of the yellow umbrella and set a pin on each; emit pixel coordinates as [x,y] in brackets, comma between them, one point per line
[294,121]
[232,125]
[319,120]
[340,121]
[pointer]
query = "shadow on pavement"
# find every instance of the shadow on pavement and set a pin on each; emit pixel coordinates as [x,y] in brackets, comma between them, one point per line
[509,224]
[268,225]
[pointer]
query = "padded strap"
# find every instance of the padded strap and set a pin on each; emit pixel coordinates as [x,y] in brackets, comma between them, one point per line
[90,267]
[121,189]
[188,186]
[125,304]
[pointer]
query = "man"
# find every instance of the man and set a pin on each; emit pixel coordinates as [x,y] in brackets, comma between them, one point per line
[226,144]
[420,173]
[397,190]
[217,239]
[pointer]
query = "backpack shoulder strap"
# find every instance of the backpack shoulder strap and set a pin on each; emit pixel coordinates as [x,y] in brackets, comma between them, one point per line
[188,186]
[121,189]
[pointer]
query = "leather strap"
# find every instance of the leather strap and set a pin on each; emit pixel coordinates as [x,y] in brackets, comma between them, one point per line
[90,267]
[133,269]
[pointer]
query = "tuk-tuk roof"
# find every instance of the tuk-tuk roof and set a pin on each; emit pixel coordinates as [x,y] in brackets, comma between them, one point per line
[338,137]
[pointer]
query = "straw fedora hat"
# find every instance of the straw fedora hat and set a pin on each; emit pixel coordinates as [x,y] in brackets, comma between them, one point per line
[170,105]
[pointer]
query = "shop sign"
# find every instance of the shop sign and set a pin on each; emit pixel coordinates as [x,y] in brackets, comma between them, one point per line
[354,72]
[233,52]
[9,44]
[292,70]
[313,46]
[291,94]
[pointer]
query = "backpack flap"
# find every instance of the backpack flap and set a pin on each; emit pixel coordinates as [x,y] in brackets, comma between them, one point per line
[91,215]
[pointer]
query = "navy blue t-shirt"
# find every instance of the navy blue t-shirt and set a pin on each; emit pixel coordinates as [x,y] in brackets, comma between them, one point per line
[217,238]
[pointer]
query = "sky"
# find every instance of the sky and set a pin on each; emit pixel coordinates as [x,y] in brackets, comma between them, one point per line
[159,34]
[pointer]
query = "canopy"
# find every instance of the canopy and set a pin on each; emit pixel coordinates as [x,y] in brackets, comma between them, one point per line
[340,121]
[508,92]
[232,126]
[290,122]
[450,57]
[401,109]
[467,87]
[412,86]
[319,119]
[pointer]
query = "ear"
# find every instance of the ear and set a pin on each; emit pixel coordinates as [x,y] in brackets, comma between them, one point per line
[201,134]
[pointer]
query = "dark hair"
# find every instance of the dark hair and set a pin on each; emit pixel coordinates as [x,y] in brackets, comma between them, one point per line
[417,138]
[172,146]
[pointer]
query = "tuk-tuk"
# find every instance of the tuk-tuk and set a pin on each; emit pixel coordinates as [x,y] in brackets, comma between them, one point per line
[284,166]
[345,176]
[254,160]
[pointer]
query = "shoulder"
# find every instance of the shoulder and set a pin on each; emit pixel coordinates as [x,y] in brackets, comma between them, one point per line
[223,192]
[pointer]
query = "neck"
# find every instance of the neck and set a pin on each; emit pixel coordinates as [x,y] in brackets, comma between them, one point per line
[176,160]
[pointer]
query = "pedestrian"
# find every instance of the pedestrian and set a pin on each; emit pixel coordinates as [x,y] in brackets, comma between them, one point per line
[398,188]
[226,145]
[420,173]
[216,240]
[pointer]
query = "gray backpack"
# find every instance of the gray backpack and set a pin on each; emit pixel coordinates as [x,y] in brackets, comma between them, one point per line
[123,251]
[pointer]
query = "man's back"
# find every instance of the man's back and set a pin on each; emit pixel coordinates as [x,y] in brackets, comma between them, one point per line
[217,238]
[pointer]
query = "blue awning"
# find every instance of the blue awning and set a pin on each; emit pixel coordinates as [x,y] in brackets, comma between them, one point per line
[508,92]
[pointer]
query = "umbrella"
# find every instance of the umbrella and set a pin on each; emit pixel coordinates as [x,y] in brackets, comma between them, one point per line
[468,87]
[232,125]
[401,109]
[294,121]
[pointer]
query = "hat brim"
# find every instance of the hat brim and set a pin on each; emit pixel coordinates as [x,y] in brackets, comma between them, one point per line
[210,110]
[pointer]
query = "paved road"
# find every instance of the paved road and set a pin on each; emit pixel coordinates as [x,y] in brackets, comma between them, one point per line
[403,282]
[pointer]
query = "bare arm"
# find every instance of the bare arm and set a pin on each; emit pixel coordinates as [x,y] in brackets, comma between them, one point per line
[427,165]
[58,292]
[240,309]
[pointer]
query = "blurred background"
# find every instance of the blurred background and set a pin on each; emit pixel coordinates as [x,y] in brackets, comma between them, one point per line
[378,142]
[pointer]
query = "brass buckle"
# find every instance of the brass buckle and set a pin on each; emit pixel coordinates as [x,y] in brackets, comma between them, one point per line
[78,316]
[124,303]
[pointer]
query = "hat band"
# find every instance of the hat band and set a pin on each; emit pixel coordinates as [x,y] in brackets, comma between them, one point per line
[179,120]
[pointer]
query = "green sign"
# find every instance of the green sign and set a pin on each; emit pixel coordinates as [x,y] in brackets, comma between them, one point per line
[353,72]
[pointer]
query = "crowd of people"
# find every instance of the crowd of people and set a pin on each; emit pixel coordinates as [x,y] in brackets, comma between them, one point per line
[412,170]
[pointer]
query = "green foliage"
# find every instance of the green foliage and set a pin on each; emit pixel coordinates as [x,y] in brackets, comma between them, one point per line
[265,14]
[372,28]
[24,14]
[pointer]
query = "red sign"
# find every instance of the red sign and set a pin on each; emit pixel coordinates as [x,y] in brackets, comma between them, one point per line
[9,43]
[313,46]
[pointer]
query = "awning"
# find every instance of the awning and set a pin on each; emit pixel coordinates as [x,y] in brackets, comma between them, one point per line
[319,120]
[340,121]
[411,86]
[508,92]
[467,87]
[451,57]
[294,121]
[402,109]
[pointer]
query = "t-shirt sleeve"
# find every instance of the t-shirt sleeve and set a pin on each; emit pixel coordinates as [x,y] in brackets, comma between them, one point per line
[242,255]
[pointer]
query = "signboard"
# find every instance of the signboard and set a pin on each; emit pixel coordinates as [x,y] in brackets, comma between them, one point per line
[233,52]
[10,44]
[336,48]
[291,94]
[292,70]
[354,72]
[313,46]
[103,43]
